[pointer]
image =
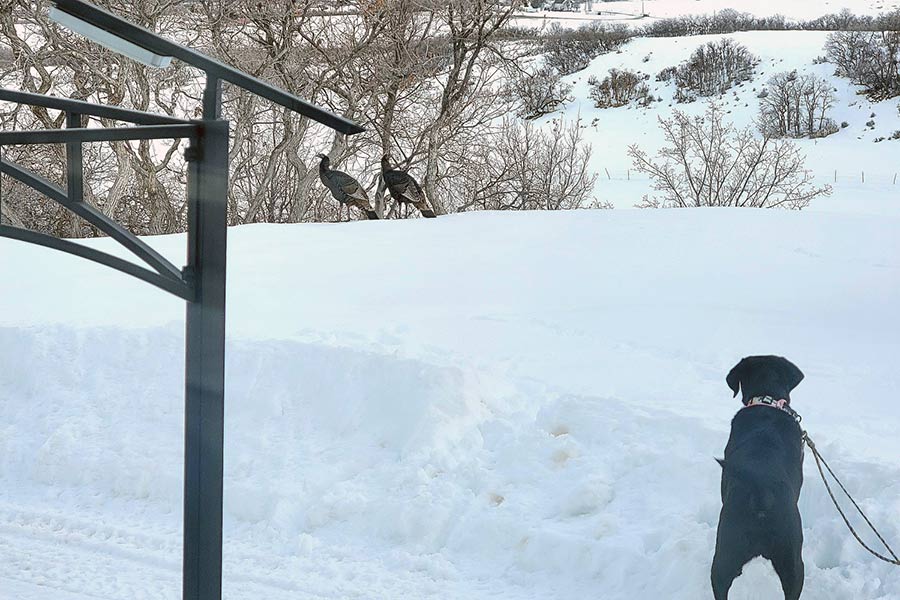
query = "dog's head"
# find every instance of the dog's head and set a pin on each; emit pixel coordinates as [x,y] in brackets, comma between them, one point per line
[773,376]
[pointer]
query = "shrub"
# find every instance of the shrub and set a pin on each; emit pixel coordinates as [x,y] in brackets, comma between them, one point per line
[868,58]
[707,162]
[538,93]
[619,88]
[571,50]
[667,74]
[715,67]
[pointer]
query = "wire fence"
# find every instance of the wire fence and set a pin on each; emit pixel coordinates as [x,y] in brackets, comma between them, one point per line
[835,177]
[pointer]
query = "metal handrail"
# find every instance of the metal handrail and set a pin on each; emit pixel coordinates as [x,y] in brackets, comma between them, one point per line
[86,108]
[93,216]
[99,134]
[153,42]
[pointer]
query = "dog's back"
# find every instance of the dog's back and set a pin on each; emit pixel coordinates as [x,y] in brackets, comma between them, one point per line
[766,445]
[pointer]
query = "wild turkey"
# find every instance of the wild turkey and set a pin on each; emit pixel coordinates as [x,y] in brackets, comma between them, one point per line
[345,189]
[404,189]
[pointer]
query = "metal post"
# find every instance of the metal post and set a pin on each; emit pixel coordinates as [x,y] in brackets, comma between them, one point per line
[74,167]
[74,162]
[205,357]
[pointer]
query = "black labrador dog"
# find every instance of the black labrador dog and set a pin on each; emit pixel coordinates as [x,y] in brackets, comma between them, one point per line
[761,477]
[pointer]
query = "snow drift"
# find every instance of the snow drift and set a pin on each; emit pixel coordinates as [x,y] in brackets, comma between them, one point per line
[480,406]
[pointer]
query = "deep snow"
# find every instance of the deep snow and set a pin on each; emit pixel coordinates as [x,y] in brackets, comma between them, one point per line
[480,406]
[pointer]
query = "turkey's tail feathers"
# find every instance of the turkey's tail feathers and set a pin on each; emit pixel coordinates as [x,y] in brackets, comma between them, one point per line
[423,208]
[366,208]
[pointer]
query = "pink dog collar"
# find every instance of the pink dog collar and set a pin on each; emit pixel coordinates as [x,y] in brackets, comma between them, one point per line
[781,404]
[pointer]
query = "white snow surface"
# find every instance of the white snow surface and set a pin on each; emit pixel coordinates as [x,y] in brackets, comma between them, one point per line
[488,405]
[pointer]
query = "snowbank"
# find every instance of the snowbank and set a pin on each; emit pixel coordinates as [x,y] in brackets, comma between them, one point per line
[479,406]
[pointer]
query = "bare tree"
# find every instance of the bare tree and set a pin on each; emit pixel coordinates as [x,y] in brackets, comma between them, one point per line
[709,163]
[133,181]
[869,58]
[527,168]
[795,105]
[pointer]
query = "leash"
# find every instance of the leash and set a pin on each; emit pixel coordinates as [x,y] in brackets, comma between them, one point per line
[819,462]
[784,406]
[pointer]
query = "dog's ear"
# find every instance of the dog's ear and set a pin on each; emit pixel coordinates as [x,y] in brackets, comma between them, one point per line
[790,373]
[734,376]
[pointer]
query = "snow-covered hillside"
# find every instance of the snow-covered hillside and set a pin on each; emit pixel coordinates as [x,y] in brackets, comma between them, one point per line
[629,11]
[850,160]
[479,406]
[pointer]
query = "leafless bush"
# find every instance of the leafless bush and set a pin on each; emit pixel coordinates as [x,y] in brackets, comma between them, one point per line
[529,168]
[537,93]
[709,163]
[796,106]
[714,67]
[667,74]
[868,58]
[571,50]
[730,21]
[724,21]
[619,88]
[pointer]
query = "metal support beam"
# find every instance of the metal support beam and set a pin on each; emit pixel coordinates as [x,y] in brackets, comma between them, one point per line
[98,134]
[173,286]
[86,108]
[93,216]
[147,39]
[205,363]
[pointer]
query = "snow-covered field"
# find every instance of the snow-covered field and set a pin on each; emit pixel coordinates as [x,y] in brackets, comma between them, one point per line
[850,160]
[479,406]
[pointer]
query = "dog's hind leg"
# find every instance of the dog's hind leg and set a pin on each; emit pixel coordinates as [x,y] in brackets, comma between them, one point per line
[725,569]
[790,571]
